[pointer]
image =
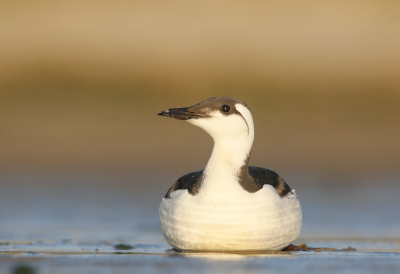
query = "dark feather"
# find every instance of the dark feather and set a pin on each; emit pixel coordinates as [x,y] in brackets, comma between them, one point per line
[254,181]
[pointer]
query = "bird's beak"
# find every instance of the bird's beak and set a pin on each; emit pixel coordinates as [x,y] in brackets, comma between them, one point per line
[180,113]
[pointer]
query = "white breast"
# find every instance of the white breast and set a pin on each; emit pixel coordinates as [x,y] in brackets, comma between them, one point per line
[234,220]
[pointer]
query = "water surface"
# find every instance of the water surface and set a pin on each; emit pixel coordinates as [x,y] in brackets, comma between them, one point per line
[73,225]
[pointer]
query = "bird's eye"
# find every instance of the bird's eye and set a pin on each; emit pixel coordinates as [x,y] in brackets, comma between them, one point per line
[226,108]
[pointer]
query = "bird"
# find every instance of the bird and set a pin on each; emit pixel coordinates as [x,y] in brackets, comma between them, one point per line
[228,206]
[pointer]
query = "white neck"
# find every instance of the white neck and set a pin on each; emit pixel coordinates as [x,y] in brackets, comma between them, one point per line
[229,156]
[232,147]
[225,163]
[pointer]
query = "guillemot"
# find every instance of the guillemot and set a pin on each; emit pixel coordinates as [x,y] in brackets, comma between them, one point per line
[228,206]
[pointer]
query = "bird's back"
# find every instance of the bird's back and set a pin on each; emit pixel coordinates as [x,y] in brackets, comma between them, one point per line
[259,177]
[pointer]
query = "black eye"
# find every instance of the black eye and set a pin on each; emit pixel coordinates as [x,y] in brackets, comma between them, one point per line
[226,108]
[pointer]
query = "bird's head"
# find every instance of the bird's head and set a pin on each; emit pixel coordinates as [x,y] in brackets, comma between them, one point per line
[226,119]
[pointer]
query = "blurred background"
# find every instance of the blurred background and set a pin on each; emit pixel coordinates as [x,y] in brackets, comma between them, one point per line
[81,83]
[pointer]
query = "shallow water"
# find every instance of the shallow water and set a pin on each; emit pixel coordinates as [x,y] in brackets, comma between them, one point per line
[92,250]
[73,226]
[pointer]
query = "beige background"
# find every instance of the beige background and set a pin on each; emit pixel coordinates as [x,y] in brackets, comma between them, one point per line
[81,83]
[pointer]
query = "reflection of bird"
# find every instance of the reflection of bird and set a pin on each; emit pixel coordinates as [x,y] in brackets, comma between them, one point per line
[229,205]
